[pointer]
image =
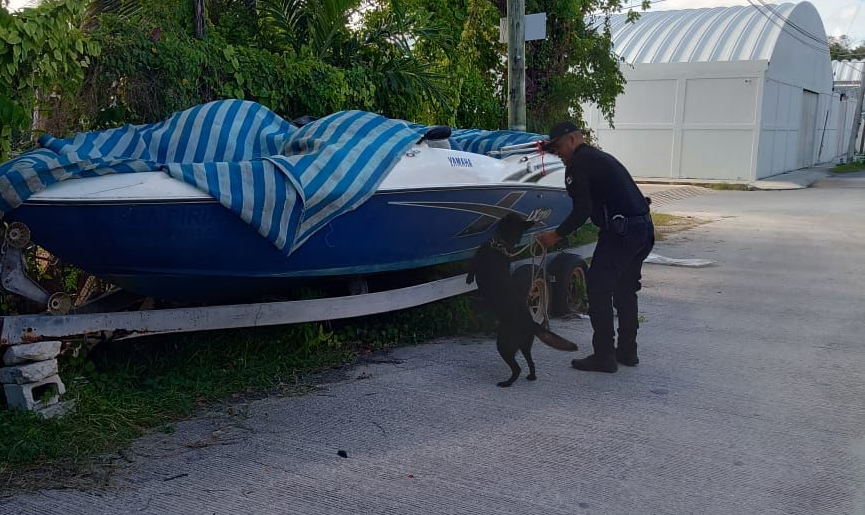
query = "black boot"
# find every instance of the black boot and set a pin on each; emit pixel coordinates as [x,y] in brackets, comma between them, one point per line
[596,363]
[627,356]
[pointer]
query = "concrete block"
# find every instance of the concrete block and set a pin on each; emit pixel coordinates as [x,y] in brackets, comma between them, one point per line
[59,409]
[28,397]
[28,373]
[39,351]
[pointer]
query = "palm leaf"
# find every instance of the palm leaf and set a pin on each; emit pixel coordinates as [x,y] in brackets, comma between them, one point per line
[327,19]
[288,18]
[127,9]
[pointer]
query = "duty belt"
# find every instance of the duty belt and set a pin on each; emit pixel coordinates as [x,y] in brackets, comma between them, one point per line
[647,218]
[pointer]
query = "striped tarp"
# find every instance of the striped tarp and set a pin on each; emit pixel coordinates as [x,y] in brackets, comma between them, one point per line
[481,141]
[287,182]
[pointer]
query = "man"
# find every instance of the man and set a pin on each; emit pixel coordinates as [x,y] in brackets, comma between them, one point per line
[601,188]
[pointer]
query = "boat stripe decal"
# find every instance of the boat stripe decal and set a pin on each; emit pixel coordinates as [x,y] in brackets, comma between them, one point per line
[496,212]
[484,222]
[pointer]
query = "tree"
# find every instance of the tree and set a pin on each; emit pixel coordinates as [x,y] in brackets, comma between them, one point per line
[381,45]
[842,48]
[575,64]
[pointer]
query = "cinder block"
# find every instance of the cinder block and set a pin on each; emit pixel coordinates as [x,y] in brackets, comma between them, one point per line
[59,409]
[28,397]
[28,373]
[39,351]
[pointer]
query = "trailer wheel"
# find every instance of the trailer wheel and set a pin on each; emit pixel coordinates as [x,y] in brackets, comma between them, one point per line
[18,235]
[569,287]
[59,304]
[534,290]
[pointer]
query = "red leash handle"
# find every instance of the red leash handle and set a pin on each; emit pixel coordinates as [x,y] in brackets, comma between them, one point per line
[540,146]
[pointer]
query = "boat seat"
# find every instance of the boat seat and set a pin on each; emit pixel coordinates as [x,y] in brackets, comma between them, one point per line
[438,136]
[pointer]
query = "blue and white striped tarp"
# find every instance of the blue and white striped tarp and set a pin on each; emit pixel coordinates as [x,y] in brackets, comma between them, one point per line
[480,141]
[285,181]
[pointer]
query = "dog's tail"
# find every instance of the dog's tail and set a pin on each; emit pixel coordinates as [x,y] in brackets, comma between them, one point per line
[553,340]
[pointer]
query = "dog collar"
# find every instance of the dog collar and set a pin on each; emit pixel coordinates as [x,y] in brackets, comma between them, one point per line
[500,246]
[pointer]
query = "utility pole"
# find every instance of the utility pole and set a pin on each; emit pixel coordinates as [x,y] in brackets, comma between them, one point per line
[517,64]
[199,12]
[862,142]
[857,117]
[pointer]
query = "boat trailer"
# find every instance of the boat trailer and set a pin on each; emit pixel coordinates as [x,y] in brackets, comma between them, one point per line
[30,344]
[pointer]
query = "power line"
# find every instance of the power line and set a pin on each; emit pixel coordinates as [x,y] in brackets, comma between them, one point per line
[781,26]
[850,65]
[641,4]
[806,33]
[787,21]
[858,7]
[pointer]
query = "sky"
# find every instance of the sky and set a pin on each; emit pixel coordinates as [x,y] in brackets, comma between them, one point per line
[839,16]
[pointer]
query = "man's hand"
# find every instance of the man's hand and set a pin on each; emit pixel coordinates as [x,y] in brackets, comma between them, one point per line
[549,238]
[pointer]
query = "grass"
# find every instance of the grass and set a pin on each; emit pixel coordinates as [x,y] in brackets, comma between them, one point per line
[711,185]
[666,224]
[724,186]
[126,389]
[586,234]
[857,165]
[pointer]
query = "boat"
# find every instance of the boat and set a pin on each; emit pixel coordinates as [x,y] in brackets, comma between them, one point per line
[149,233]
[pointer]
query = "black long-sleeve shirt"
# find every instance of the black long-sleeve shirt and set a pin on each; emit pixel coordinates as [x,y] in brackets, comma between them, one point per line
[596,180]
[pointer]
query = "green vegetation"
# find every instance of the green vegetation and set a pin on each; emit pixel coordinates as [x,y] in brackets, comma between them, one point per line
[92,64]
[723,186]
[856,165]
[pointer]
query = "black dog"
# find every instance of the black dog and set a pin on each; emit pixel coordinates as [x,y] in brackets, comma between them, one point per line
[517,330]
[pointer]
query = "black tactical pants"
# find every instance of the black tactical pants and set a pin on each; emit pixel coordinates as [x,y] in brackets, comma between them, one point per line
[614,280]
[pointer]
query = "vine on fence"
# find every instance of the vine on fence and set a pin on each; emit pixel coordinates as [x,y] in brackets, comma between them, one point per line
[42,58]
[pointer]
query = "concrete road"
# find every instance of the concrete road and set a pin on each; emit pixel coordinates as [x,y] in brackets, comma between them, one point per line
[750,399]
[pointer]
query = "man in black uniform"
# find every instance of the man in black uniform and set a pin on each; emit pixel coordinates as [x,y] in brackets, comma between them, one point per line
[601,188]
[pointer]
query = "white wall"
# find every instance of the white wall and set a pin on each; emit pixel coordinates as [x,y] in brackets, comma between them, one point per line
[686,120]
[781,127]
[838,129]
[715,120]
[779,136]
[797,63]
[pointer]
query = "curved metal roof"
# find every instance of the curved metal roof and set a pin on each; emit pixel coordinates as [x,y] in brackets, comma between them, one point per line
[740,33]
[848,72]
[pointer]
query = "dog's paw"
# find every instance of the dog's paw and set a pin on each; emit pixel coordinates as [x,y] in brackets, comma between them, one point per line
[504,384]
[531,377]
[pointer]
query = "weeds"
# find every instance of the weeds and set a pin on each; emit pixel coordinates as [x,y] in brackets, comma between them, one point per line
[725,186]
[856,165]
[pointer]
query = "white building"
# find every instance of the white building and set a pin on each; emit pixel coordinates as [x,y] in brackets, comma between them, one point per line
[849,77]
[730,93]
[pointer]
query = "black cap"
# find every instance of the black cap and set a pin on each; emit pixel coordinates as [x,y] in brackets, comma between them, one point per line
[560,129]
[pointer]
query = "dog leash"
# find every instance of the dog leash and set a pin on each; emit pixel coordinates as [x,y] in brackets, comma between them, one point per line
[539,264]
[539,268]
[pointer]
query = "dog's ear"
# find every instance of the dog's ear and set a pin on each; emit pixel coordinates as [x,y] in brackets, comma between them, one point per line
[506,224]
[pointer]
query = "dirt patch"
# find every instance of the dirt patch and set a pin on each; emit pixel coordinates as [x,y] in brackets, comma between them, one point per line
[666,224]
